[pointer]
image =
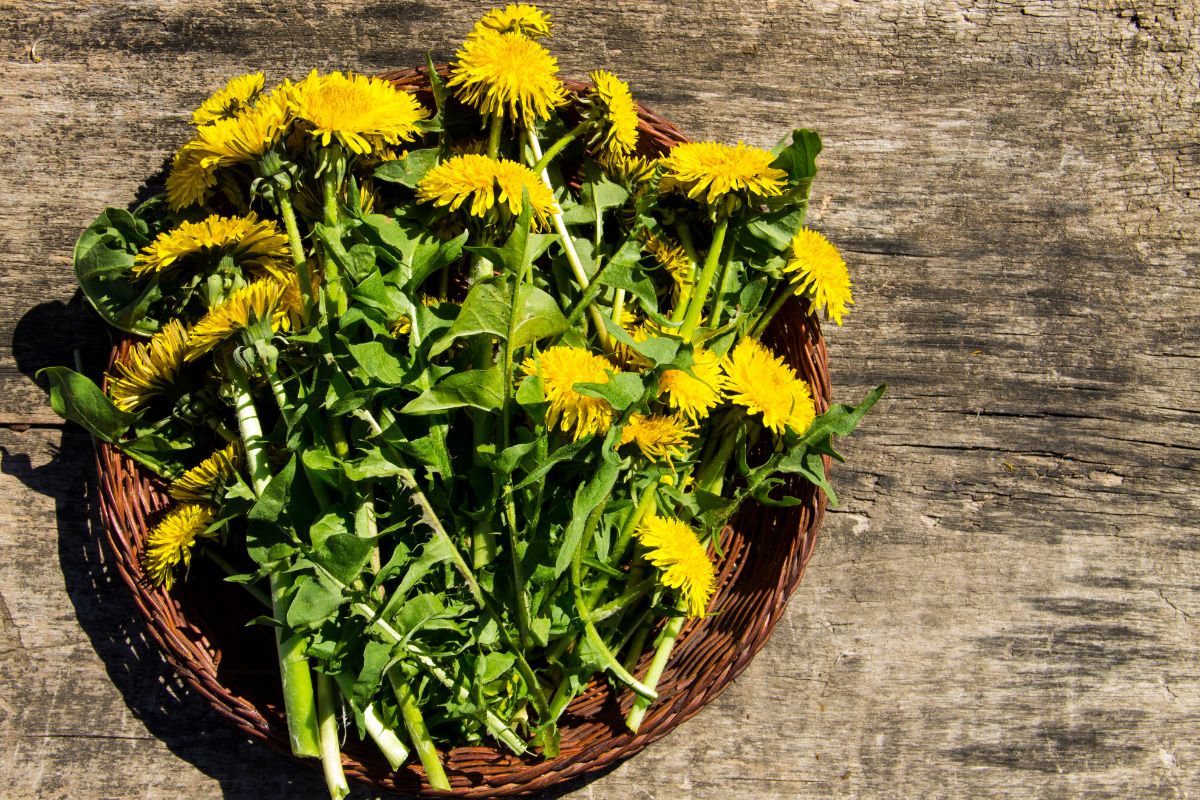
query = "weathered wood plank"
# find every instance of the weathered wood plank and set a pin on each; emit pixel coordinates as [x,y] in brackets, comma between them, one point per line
[1007,604]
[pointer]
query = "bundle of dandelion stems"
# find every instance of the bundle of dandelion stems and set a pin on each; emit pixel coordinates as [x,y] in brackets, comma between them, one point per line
[469,433]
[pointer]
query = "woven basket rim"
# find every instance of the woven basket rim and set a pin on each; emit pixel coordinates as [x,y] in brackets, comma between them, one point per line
[710,653]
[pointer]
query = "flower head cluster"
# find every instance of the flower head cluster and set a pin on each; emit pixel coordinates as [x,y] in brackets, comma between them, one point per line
[253,244]
[481,184]
[231,99]
[205,482]
[361,113]
[169,544]
[520,18]
[761,382]
[710,172]
[150,369]
[696,394]
[817,269]
[660,437]
[616,112]
[560,369]
[683,563]
[265,299]
[507,74]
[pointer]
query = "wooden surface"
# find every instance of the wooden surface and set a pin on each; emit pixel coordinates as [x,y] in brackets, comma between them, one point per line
[1005,606]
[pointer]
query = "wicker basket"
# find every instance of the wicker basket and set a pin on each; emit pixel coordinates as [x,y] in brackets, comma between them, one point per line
[200,625]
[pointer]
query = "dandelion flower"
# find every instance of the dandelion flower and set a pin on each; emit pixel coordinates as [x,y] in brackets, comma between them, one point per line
[710,171]
[817,268]
[671,257]
[760,381]
[617,111]
[520,18]
[658,436]
[150,369]
[506,73]
[241,139]
[170,543]
[631,169]
[486,183]
[362,113]
[697,394]
[205,482]
[254,244]
[268,298]
[561,368]
[226,102]
[681,559]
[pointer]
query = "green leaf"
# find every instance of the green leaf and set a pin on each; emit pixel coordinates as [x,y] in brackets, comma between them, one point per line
[408,171]
[476,388]
[799,160]
[565,453]
[622,390]
[492,666]
[104,258]
[264,527]
[378,364]
[841,420]
[313,603]
[435,551]
[373,465]
[344,555]
[623,271]
[538,316]
[659,349]
[76,398]
[484,311]
[587,497]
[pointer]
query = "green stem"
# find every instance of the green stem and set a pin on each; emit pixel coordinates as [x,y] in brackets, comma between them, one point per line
[685,291]
[641,704]
[331,756]
[593,636]
[384,737]
[622,601]
[295,678]
[636,515]
[296,244]
[781,297]
[711,477]
[495,131]
[696,307]
[638,640]
[568,243]
[335,292]
[544,159]
[719,299]
[418,734]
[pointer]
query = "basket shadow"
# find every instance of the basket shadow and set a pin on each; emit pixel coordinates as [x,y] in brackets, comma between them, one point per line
[106,613]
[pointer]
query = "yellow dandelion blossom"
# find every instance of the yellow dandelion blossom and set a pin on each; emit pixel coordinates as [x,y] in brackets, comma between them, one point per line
[561,368]
[268,298]
[671,257]
[401,326]
[817,268]
[189,179]
[205,482]
[697,394]
[254,244]
[632,169]
[683,563]
[226,102]
[764,384]
[241,139]
[170,543]
[710,171]
[362,113]
[659,436]
[486,183]
[519,18]
[506,73]
[611,98]
[150,369]
[244,138]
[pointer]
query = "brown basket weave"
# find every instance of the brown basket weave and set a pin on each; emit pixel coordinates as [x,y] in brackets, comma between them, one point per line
[200,625]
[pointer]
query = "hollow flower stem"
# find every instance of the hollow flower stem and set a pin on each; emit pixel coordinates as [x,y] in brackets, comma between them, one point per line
[641,704]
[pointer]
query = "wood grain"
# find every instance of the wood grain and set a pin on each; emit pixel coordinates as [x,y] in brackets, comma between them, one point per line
[1006,605]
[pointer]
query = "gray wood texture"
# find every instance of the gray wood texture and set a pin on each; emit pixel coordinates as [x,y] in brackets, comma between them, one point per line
[1005,606]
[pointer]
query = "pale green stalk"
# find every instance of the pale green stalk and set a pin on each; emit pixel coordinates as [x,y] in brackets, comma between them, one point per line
[296,245]
[384,737]
[331,755]
[642,703]
[295,677]
[711,261]
[418,734]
